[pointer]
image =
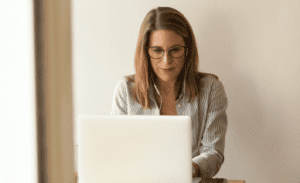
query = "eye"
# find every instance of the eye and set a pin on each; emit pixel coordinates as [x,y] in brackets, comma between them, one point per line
[175,50]
[157,50]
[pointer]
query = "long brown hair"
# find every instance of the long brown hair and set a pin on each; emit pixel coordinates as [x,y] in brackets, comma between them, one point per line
[164,18]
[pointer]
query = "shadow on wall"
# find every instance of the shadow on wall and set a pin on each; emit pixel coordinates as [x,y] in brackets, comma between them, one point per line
[221,36]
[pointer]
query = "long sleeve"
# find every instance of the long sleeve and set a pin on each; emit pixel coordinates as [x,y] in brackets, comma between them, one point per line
[119,103]
[211,155]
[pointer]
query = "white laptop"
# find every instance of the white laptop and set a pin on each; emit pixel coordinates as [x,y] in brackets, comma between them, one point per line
[134,149]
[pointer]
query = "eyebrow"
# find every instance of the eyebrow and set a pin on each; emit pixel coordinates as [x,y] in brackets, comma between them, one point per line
[161,47]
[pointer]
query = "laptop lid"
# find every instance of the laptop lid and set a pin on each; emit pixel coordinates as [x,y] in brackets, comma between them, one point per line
[135,148]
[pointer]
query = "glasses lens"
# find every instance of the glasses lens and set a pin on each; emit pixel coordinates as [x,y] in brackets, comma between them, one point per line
[155,52]
[176,52]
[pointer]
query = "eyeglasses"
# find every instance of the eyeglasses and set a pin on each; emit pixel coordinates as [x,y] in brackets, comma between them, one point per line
[176,52]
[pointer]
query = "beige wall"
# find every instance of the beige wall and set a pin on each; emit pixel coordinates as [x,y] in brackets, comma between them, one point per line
[254,48]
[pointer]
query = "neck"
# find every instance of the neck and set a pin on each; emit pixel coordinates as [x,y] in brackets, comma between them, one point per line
[169,88]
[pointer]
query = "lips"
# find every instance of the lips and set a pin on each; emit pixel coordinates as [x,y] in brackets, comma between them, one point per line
[167,68]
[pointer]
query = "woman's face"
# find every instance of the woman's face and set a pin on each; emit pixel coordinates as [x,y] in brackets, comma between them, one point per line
[166,68]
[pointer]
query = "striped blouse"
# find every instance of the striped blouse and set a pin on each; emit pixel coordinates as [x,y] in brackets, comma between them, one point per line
[209,119]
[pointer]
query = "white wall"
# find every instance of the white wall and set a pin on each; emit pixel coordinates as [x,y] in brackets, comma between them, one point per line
[254,48]
[18,151]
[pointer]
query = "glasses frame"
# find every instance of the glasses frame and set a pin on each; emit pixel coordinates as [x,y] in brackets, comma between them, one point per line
[185,49]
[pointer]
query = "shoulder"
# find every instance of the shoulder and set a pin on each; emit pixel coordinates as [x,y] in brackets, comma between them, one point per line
[130,78]
[206,79]
[124,83]
[209,83]
[204,75]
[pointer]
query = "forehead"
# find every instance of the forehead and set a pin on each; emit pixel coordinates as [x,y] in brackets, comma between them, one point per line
[165,38]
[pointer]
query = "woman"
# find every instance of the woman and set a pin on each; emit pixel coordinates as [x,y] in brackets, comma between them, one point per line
[167,82]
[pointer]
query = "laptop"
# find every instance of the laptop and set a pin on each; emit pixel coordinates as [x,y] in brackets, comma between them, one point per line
[135,149]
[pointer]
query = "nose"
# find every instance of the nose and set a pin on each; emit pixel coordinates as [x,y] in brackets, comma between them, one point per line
[166,57]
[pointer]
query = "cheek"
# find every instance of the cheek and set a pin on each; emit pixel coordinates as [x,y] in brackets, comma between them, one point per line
[153,64]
